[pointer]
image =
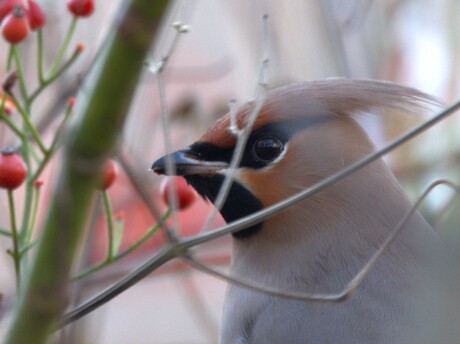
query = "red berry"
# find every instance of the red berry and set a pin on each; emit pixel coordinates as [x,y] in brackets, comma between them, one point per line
[15,26]
[36,16]
[37,183]
[13,170]
[80,8]
[8,106]
[6,6]
[71,101]
[80,47]
[185,193]
[109,174]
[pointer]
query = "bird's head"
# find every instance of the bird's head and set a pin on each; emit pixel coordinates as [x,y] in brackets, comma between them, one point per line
[303,133]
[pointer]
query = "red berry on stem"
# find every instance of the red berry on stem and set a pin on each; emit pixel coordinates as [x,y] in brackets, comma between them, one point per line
[37,183]
[184,192]
[36,16]
[80,47]
[13,170]
[80,8]
[109,174]
[6,6]
[71,101]
[15,26]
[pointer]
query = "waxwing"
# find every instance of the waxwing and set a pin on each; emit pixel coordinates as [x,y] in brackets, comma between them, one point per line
[302,134]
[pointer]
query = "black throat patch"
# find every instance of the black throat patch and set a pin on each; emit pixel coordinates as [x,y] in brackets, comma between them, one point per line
[239,203]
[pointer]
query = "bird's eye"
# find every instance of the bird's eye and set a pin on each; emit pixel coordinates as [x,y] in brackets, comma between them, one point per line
[267,149]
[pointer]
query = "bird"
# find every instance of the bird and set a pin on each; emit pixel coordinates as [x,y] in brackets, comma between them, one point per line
[303,133]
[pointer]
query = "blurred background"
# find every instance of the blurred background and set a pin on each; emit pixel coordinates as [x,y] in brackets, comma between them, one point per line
[413,43]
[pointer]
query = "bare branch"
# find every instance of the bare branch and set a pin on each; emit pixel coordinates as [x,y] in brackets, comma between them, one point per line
[158,68]
[181,248]
[242,135]
[259,216]
[355,281]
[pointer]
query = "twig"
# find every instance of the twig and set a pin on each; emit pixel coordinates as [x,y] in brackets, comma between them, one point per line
[242,135]
[350,286]
[15,238]
[158,68]
[171,252]
[108,294]
[139,186]
[442,213]
[322,184]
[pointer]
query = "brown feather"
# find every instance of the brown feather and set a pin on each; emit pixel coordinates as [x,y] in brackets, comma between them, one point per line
[329,97]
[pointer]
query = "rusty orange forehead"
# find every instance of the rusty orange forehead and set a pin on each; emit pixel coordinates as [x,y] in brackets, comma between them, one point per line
[220,133]
[330,97]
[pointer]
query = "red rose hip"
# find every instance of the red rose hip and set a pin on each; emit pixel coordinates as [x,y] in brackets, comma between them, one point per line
[109,174]
[13,170]
[15,27]
[6,6]
[80,8]
[184,193]
[37,18]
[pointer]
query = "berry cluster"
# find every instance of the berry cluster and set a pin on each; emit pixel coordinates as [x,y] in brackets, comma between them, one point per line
[19,17]
[24,164]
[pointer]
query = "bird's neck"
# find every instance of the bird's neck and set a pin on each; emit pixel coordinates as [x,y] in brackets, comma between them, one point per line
[322,242]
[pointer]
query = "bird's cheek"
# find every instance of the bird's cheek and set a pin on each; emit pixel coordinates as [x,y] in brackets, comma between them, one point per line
[263,186]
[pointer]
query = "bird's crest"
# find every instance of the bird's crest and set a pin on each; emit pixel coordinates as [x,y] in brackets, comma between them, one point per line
[329,97]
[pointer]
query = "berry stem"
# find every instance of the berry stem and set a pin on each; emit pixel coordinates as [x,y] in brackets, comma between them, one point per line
[14,236]
[53,147]
[109,220]
[28,234]
[5,232]
[9,62]
[54,76]
[18,132]
[41,75]
[63,47]
[2,103]
[28,124]
[27,247]
[20,71]
[147,235]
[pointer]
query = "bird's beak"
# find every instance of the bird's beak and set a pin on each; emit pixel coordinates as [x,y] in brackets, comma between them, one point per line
[187,164]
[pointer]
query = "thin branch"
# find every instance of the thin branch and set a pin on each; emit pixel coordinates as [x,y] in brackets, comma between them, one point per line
[178,249]
[242,135]
[354,282]
[259,216]
[108,294]
[442,213]
[158,69]
[139,185]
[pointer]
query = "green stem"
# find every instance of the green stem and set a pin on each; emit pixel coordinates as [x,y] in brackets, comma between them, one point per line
[145,237]
[92,139]
[130,249]
[54,76]
[2,102]
[18,132]
[14,236]
[109,219]
[26,151]
[35,201]
[29,125]
[5,232]
[64,45]
[53,147]
[9,62]
[20,71]
[26,248]
[41,75]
